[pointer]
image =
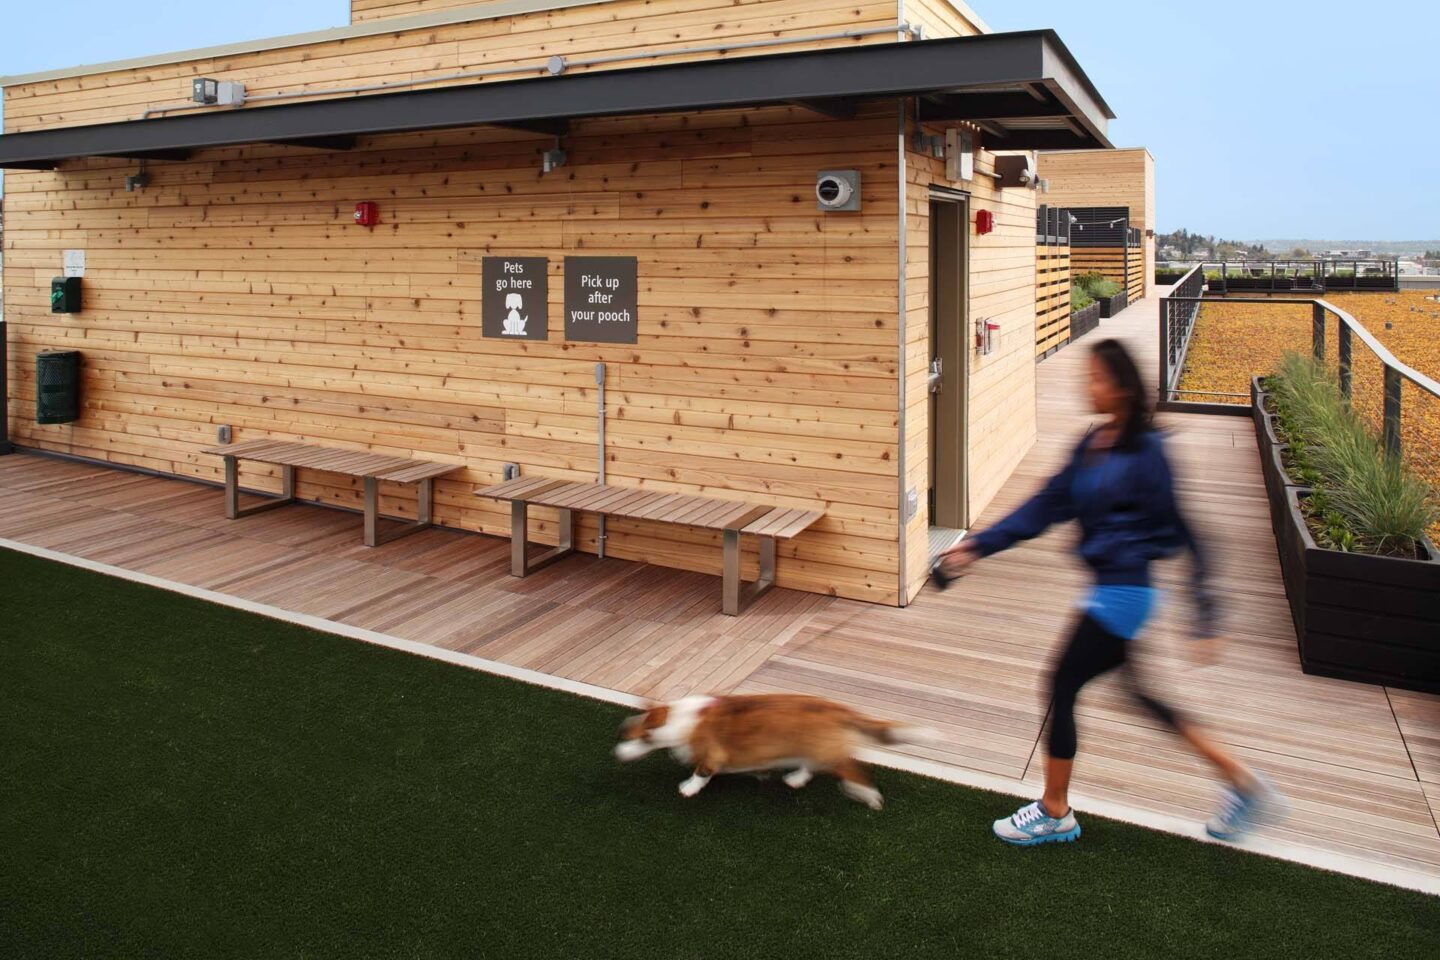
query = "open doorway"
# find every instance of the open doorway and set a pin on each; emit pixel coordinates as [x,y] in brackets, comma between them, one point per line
[948,309]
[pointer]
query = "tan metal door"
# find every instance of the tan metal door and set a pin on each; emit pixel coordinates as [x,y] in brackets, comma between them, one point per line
[948,273]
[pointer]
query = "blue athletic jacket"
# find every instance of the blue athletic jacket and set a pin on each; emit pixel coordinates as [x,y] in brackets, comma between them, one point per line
[1126,521]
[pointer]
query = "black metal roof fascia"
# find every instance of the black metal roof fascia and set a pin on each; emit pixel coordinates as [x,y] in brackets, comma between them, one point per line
[863,73]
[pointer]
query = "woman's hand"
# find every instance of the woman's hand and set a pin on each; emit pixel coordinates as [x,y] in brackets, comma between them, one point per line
[958,558]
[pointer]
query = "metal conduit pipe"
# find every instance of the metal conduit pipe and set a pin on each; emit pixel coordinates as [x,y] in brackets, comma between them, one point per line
[600,443]
[554,66]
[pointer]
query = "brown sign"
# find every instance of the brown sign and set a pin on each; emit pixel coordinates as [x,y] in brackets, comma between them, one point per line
[601,295]
[513,298]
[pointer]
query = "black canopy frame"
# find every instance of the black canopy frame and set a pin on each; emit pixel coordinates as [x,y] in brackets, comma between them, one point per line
[1024,89]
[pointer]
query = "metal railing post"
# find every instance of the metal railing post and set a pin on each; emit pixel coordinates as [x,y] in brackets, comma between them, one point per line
[1392,411]
[1345,365]
[1317,332]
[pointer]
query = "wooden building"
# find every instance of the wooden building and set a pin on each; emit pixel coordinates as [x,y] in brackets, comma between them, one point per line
[1110,178]
[773,348]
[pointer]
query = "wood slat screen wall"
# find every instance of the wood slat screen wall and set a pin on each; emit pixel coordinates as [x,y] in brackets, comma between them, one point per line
[1113,263]
[1106,178]
[1052,298]
[1135,279]
[621,26]
[236,290]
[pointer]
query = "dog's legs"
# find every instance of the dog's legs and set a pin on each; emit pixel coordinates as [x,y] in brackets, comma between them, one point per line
[627,750]
[708,761]
[694,784]
[798,778]
[855,781]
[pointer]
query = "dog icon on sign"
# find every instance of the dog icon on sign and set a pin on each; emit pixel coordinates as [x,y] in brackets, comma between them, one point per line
[514,325]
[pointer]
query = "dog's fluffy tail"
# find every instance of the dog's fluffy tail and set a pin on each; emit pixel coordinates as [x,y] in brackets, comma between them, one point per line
[890,733]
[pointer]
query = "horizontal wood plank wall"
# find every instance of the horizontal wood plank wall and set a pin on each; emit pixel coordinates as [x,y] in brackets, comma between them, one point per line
[236,290]
[939,18]
[1106,178]
[1001,409]
[363,10]
[1052,297]
[1135,270]
[622,26]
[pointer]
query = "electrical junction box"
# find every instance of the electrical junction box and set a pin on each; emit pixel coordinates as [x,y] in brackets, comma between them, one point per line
[65,295]
[224,93]
[959,154]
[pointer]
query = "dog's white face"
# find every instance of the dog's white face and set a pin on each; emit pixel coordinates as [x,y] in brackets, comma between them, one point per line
[665,726]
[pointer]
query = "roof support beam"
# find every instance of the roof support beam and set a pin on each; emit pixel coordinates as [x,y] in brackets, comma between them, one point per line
[318,143]
[1038,140]
[988,106]
[551,128]
[836,108]
[178,154]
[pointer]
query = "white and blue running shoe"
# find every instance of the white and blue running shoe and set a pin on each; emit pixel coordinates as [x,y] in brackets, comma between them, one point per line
[1031,825]
[1240,811]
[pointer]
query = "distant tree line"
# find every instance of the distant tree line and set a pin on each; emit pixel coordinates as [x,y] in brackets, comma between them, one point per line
[1194,246]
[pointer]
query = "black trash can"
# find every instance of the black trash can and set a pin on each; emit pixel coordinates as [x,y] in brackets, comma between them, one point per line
[57,386]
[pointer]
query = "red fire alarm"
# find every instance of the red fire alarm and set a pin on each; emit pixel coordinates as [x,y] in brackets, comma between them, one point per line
[367,214]
[984,221]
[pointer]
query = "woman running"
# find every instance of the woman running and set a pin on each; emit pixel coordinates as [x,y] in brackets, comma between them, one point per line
[1118,485]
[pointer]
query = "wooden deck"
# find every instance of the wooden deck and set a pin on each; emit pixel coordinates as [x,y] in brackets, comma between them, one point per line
[1361,763]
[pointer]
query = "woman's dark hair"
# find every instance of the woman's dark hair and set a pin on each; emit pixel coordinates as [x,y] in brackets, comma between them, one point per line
[1121,366]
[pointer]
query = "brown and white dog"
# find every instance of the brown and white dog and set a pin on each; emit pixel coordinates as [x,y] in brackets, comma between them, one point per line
[776,731]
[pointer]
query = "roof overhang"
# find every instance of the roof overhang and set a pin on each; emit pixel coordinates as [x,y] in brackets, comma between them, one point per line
[1024,89]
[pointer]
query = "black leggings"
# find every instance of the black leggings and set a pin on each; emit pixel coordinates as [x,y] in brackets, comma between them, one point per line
[1091,651]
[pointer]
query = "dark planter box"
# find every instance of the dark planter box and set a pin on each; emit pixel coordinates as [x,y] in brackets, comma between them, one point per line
[1084,320]
[1357,616]
[1109,306]
[1272,455]
[1215,286]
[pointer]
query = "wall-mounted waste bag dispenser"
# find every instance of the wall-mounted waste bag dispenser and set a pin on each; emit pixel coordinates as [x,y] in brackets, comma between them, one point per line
[65,295]
[57,386]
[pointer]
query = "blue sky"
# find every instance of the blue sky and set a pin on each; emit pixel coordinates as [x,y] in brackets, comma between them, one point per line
[1267,119]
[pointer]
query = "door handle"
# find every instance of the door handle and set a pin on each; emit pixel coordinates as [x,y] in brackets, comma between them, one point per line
[937,376]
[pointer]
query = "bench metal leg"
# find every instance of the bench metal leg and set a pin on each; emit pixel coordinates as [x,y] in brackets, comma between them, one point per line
[736,595]
[233,510]
[521,564]
[424,512]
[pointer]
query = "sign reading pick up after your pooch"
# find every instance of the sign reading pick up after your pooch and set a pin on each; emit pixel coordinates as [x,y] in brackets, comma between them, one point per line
[600,299]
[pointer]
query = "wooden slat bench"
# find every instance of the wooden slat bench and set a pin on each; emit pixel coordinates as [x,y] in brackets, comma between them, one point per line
[371,467]
[731,517]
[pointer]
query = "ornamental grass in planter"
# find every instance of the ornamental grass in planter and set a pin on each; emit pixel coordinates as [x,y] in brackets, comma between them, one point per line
[1109,294]
[1350,520]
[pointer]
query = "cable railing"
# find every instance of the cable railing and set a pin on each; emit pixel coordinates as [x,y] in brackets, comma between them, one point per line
[1213,347]
[1318,274]
[1177,323]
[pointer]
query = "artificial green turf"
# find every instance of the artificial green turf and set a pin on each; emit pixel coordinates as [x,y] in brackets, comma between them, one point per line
[184,780]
